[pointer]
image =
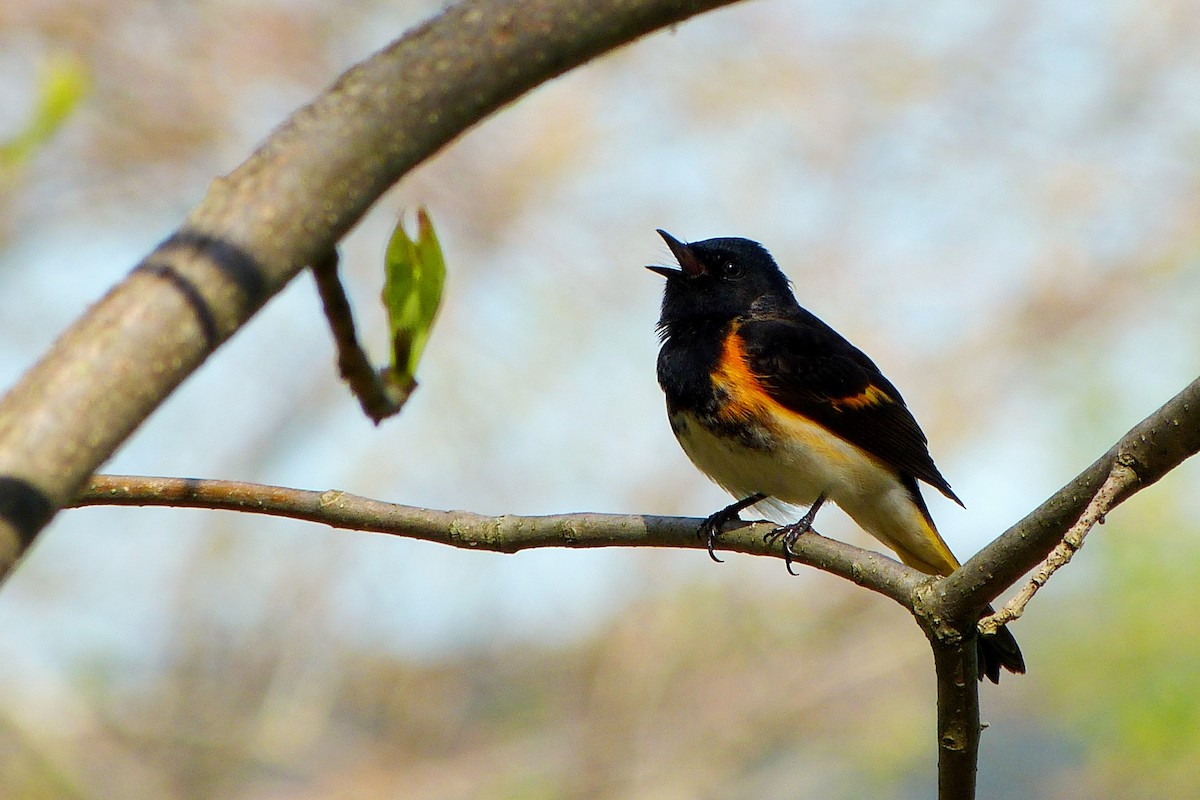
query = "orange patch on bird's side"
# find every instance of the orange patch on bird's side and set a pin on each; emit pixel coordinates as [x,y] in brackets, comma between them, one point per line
[871,396]
[745,396]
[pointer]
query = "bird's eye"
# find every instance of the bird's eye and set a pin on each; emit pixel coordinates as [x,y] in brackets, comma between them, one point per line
[731,269]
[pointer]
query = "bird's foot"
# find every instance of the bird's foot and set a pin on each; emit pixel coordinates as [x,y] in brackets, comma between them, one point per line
[788,534]
[710,529]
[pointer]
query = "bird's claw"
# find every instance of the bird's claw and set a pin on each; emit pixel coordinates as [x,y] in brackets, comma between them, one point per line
[710,529]
[789,534]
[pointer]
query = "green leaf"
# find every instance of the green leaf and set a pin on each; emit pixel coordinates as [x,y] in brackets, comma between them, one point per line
[63,84]
[412,293]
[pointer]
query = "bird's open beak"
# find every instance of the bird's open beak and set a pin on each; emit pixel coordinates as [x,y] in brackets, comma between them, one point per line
[666,272]
[690,265]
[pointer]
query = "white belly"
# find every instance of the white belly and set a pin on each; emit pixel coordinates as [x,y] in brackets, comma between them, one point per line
[805,461]
[800,464]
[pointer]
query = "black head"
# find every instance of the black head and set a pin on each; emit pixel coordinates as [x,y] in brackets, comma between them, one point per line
[722,279]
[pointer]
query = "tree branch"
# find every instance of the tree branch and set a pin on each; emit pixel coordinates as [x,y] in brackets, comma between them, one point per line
[289,204]
[285,207]
[958,716]
[946,609]
[1120,479]
[503,534]
[1151,449]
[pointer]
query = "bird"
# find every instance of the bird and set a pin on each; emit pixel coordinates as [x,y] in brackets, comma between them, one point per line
[774,405]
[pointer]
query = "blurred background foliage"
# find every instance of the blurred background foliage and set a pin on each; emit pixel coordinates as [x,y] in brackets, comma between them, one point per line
[998,201]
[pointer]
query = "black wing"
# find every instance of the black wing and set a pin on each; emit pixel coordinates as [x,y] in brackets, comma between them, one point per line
[808,368]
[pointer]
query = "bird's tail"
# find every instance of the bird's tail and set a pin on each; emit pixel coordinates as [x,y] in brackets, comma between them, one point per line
[996,650]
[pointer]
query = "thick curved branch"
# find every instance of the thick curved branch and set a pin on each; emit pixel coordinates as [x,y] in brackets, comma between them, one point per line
[1149,451]
[503,534]
[284,208]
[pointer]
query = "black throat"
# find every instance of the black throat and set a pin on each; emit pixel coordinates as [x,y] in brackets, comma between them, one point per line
[690,351]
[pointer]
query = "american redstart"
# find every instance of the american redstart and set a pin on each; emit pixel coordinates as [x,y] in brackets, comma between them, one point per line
[774,405]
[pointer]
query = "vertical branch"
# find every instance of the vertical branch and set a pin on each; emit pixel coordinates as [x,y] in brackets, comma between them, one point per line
[958,717]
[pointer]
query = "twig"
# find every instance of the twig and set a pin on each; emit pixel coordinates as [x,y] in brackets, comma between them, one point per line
[1150,450]
[1120,478]
[505,534]
[379,399]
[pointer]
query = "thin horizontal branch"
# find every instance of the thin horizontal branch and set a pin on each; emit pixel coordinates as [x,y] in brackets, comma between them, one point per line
[284,208]
[1150,450]
[504,534]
